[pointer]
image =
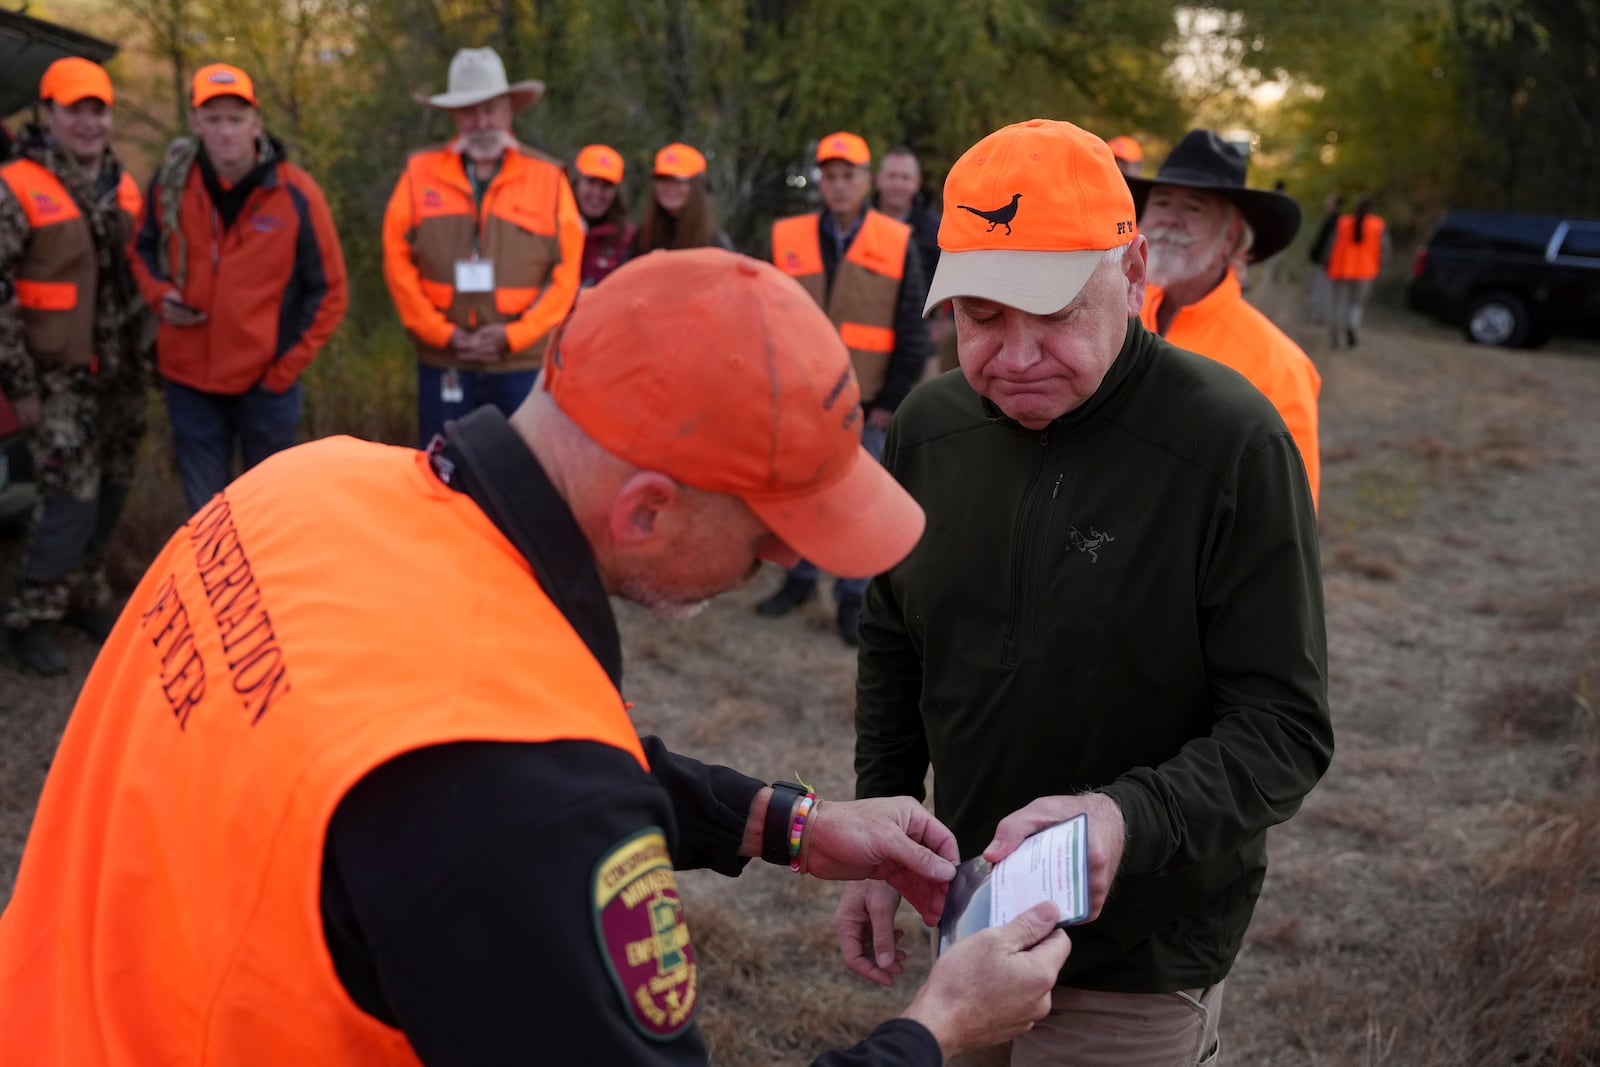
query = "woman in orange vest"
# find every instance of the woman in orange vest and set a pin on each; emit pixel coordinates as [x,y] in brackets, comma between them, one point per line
[678,213]
[1360,249]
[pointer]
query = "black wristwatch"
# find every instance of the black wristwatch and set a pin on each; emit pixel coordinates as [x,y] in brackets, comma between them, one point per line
[775,831]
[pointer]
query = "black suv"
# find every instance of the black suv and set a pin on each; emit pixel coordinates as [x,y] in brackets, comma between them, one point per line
[1510,279]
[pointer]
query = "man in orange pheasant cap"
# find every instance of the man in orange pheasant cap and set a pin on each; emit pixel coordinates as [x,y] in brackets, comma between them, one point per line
[863,268]
[1116,610]
[354,780]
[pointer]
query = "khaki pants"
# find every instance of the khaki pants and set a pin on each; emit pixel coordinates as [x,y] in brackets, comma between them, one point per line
[1086,1028]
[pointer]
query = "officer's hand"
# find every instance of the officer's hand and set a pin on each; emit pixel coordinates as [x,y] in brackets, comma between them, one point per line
[994,985]
[893,839]
[1108,833]
[30,412]
[176,313]
[868,937]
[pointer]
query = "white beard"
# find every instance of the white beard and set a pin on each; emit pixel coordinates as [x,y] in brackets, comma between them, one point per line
[1177,257]
[485,146]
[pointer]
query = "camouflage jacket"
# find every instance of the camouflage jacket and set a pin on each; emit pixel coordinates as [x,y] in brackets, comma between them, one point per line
[124,326]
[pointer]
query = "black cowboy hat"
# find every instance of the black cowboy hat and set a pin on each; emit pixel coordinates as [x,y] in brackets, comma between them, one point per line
[1202,160]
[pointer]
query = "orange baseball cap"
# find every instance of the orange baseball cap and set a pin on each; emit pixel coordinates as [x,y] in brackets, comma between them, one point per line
[221,79]
[679,160]
[846,146]
[1028,213]
[599,161]
[68,80]
[720,372]
[1126,148]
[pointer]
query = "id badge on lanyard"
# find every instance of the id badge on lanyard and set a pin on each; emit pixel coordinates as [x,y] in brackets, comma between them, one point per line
[450,391]
[475,275]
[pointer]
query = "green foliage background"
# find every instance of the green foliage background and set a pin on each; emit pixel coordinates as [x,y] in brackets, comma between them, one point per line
[1423,104]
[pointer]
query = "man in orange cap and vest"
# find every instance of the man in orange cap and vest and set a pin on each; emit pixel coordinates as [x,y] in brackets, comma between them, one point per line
[1128,153]
[74,353]
[1200,219]
[862,267]
[482,248]
[239,256]
[1115,612]
[354,781]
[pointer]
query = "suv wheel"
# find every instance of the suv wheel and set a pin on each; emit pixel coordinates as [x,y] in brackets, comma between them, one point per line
[1499,318]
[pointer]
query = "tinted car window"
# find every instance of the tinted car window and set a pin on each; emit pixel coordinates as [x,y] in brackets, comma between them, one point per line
[1581,242]
[1500,233]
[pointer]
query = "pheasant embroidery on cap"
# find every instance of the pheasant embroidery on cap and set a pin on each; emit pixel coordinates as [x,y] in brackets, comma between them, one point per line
[1000,216]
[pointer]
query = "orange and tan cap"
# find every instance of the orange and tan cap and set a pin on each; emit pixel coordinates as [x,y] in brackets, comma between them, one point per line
[600,161]
[721,372]
[221,79]
[1126,149]
[70,79]
[1029,212]
[846,146]
[678,160]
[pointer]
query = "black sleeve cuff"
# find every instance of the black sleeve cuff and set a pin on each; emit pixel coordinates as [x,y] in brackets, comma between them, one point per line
[896,1043]
[711,805]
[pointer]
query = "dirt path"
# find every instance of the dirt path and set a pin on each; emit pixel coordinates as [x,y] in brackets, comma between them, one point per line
[1461,504]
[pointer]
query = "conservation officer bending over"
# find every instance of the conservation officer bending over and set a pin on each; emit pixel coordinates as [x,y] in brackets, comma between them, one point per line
[353,781]
[1116,610]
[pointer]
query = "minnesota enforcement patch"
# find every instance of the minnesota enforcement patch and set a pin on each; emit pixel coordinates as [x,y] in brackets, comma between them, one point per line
[638,918]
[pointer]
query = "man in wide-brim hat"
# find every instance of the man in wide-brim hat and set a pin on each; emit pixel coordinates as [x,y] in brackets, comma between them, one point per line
[477,76]
[1200,220]
[482,248]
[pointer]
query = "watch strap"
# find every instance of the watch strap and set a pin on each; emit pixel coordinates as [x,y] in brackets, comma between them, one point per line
[775,828]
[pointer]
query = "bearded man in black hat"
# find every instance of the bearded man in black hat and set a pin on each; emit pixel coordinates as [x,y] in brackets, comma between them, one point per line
[1200,219]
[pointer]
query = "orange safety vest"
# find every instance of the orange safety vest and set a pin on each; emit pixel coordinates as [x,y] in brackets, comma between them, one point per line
[167,909]
[433,223]
[866,285]
[1352,261]
[56,279]
[1222,326]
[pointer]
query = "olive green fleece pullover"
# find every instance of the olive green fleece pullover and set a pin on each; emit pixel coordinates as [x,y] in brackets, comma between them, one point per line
[1128,601]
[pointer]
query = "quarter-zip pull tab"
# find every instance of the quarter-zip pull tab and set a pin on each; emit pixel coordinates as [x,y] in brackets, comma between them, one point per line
[1057,488]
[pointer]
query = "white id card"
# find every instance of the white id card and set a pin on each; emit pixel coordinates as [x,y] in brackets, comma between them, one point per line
[450,391]
[474,276]
[1053,864]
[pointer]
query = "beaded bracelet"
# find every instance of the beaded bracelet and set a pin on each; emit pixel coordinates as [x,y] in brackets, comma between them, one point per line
[798,829]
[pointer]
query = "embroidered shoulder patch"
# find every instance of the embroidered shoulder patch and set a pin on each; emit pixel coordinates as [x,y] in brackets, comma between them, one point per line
[638,918]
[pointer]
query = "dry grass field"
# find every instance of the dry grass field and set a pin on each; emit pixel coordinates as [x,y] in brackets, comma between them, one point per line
[1436,900]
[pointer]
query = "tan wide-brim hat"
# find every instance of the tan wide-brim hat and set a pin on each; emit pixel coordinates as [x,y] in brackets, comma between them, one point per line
[476,75]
